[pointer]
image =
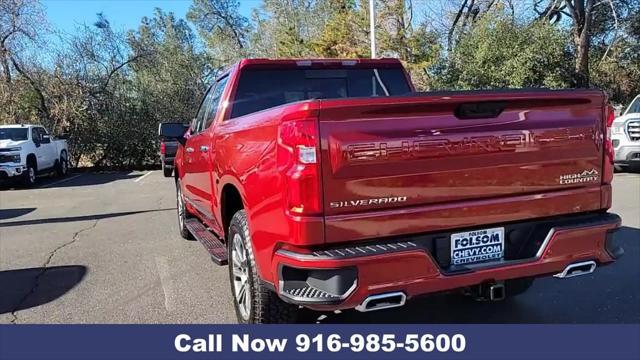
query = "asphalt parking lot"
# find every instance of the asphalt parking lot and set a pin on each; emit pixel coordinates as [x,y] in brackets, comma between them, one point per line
[105,248]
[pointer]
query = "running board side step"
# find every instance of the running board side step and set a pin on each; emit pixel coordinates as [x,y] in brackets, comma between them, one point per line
[577,269]
[214,246]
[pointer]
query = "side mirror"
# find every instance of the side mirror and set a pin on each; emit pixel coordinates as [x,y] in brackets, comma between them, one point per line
[46,139]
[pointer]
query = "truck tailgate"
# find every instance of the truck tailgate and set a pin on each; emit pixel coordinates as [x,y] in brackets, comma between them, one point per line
[451,153]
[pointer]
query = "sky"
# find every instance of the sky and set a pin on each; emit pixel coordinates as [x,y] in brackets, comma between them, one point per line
[122,14]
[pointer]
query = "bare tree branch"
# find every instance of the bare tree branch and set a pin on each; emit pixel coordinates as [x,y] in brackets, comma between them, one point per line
[43,103]
[452,28]
[615,34]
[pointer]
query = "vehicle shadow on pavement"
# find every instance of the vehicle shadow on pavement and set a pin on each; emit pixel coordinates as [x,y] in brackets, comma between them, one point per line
[27,288]
[14,213]
[75,179]
[79,218]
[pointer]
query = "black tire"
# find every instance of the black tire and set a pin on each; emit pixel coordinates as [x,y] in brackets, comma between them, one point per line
[62,165]
[167,171]
[263,305]
[183,214]
[30,175]
[517,287]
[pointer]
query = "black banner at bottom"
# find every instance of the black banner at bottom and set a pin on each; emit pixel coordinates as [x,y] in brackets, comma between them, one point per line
[320,342]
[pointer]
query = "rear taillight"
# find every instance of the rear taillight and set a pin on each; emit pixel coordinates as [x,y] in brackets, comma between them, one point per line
[607,167]
[298,161]
[163,148]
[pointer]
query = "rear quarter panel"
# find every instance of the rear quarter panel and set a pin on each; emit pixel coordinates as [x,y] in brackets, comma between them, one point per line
[246,158]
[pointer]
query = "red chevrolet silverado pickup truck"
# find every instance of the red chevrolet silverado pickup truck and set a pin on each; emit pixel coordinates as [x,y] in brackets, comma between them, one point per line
[332,184]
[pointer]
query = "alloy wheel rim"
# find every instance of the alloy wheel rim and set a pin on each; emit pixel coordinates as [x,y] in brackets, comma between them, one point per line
[64,166]
[32,175]
[180,208]
[240,271]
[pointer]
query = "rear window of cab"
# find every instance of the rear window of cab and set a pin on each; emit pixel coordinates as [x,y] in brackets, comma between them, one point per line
[261,89]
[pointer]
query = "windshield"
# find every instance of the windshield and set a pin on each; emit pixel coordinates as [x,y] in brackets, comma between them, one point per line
[261,89]
[15,134]
[634,107]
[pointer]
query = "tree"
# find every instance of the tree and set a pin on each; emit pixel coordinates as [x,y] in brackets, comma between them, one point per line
[109,89]
[288,27]
[588,18]
[171,78]
[222,27]
[342,35]
[581,12]
[21,24]
[417,47]
[615,50]
[498,53]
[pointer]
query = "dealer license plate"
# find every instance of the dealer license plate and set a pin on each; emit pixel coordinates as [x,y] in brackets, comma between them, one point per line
[477,246]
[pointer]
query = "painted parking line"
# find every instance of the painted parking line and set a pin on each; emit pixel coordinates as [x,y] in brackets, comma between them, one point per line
[142,177]
[164,272]
[60,181]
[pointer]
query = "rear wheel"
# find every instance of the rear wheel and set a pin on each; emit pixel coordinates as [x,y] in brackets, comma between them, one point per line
[62,166]
[183,213]
[253,302]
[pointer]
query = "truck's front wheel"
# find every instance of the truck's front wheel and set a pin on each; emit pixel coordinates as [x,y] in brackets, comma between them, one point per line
[253,302]
[30,175]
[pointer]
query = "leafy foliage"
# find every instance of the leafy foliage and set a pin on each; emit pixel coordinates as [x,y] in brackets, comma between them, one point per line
[108,90]
[536,56]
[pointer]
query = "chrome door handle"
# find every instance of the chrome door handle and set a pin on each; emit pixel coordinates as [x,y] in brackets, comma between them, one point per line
[204,148]
[189,149]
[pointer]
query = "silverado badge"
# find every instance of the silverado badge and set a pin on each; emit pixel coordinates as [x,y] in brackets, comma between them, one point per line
[365,202]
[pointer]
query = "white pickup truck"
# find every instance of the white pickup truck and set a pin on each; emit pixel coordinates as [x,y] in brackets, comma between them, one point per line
[27,151]
[625,136]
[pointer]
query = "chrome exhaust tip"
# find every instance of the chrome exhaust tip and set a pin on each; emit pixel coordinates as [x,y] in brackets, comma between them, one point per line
[382,301]
[577,269]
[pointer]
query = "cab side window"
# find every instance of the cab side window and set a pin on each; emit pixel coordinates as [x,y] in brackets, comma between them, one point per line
[37,134]
[196,126]
[216,94]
